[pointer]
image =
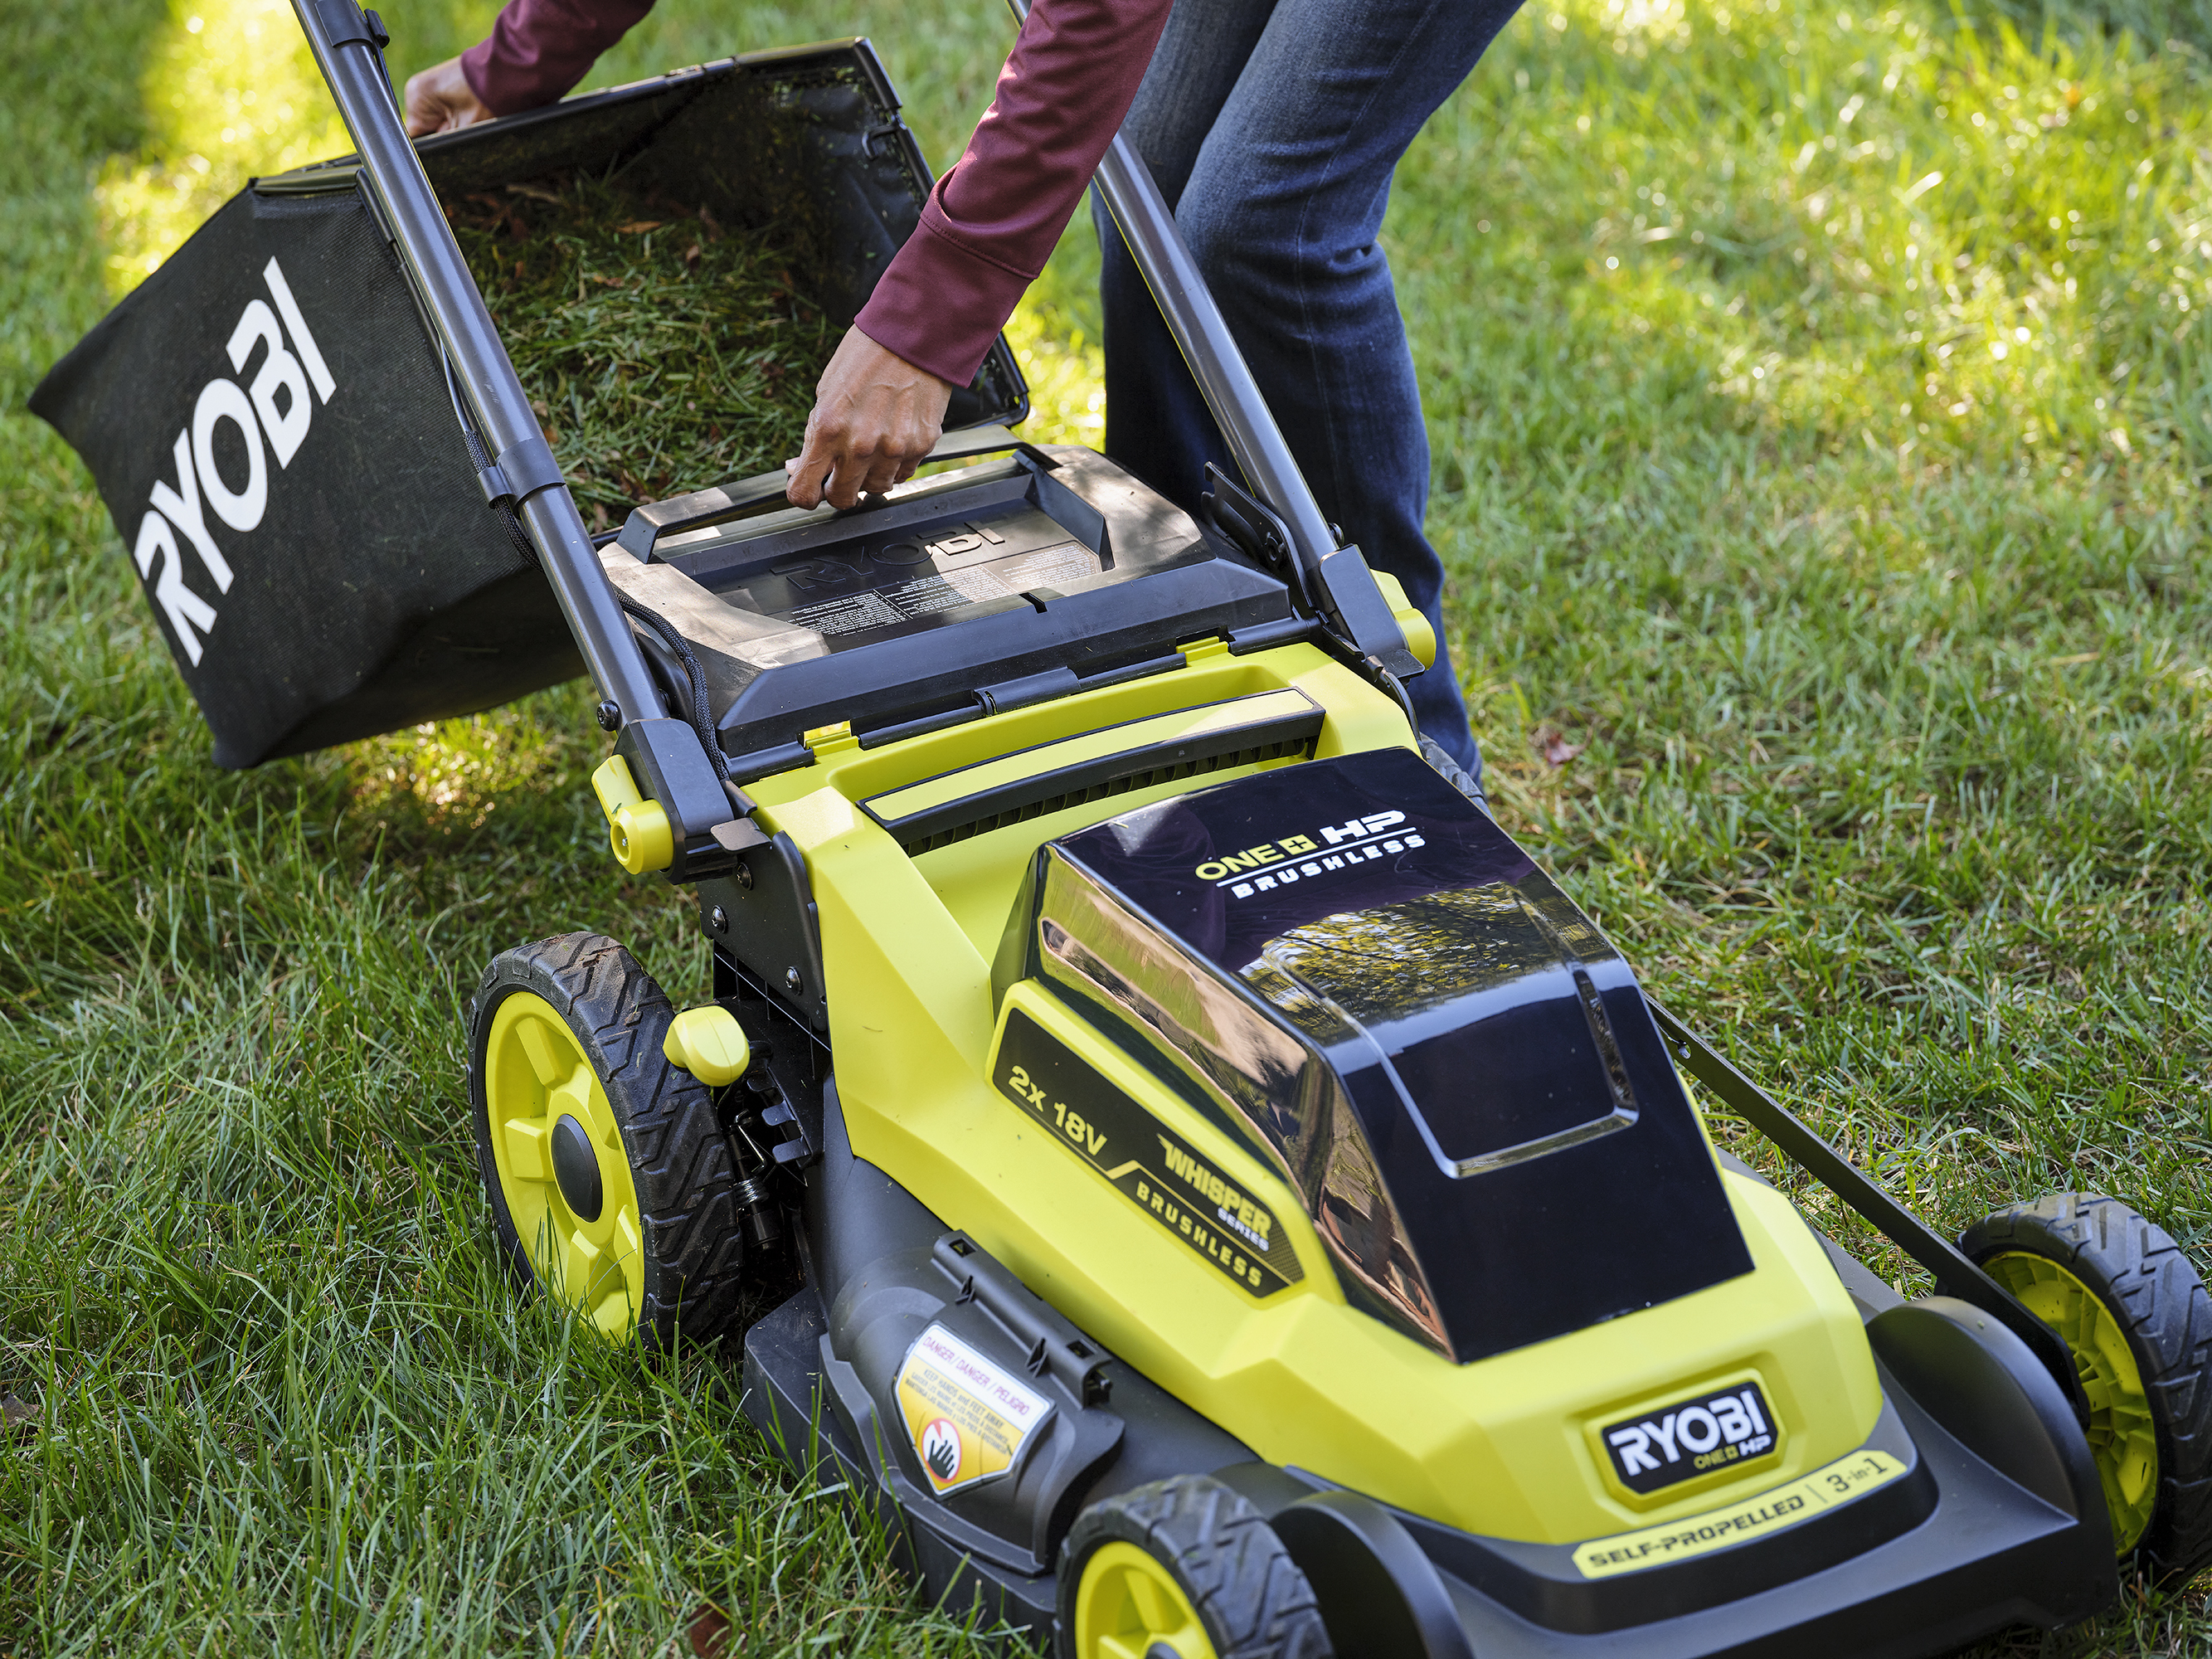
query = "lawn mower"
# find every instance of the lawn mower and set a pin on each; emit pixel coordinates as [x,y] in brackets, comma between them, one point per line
[1231,1200]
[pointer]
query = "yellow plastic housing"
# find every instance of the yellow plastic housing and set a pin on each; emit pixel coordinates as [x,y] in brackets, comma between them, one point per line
[637,827]
[1506,1446]
[1420,636]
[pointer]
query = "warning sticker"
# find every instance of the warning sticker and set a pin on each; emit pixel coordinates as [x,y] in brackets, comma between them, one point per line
[1739,1524]
[1202,1210]
[967,1415]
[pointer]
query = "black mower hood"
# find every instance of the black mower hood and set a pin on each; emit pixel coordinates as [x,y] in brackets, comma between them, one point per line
[1354,970]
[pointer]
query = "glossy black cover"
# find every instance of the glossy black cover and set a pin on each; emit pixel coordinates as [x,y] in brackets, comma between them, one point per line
[1358,971]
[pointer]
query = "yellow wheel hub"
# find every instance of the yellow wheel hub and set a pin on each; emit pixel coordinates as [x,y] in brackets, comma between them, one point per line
[1129,1605]
[2122,1434]
[562,1169]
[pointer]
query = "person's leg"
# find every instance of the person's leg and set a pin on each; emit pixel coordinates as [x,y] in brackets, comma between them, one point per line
[1156,423]
[1281,209]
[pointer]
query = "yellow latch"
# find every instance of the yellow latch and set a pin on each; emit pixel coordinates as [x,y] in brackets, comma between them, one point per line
[709,1043]
[636,827]
[827,740]
[1420,638]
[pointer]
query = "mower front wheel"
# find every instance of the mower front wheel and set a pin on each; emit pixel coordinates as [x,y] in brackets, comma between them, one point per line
[1184,1567]
[610,1179]
[2139,1325]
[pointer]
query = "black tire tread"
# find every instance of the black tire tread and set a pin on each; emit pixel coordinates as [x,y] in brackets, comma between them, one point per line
[2147,1280]
[678,1155]
[1453,772]
[1254,1600]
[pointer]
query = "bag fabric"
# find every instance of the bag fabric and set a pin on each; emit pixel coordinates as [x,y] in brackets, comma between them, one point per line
[273,433]
[276,443]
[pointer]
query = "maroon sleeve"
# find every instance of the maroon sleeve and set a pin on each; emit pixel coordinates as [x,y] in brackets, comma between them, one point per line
[539,49]
[993,220]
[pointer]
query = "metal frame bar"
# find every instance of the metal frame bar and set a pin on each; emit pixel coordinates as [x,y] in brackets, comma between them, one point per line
[348,56]
[1337,578]
[1955,1272]
[1224,380]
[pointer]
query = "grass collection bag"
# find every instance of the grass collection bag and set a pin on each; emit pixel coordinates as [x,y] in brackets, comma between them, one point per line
[278,440]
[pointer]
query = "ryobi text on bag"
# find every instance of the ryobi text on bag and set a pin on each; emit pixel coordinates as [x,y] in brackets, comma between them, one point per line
[265,421]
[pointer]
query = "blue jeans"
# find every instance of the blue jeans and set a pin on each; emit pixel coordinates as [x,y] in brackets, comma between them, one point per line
[1273,127]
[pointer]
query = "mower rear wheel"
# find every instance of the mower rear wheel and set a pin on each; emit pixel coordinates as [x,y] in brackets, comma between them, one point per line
[2138,1321]
[610,1179]
[1183,1568]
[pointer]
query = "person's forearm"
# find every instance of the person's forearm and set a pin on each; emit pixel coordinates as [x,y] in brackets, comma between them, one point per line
[993,220]
[539,49]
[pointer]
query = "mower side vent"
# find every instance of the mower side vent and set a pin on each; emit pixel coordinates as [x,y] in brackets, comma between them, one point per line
[1280,725]
[1170,772]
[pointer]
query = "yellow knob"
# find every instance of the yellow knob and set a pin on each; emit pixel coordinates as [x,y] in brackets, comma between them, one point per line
[641,839]
[709,1043]
[637,828]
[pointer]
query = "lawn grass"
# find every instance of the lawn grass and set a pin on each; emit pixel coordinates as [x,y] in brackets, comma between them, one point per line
[1828,562]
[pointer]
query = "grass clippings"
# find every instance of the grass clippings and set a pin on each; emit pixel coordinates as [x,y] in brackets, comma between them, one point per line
[663,351]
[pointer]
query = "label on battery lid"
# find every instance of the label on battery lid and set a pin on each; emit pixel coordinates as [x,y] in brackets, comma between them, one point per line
[967,1415]
[922,595]
[1774,1511]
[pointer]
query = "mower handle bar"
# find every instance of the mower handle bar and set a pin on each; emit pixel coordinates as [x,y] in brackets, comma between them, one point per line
[1335,580]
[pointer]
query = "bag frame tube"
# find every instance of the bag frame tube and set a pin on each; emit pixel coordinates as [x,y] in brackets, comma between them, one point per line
[352,65]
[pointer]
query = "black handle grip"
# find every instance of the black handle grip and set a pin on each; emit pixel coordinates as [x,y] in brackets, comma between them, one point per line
[718,503]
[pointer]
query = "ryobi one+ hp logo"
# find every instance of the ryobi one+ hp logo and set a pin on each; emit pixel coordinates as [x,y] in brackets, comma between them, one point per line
[1691,1437]
[272,413]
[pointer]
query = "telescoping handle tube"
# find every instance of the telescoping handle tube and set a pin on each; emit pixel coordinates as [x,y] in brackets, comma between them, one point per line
[1337,579]
[347,54]
[1224,380]
[666,790]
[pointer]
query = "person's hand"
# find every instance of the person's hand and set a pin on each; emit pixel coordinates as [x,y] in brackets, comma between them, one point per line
[876,417]
[439,100]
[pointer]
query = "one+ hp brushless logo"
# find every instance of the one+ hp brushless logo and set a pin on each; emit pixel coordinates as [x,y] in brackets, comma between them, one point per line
[1274,864]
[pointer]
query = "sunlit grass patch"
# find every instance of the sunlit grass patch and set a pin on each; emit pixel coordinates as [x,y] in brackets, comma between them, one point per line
[449,775]
[231,93]
[1066,403]
[1917,235]
[1055,333]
